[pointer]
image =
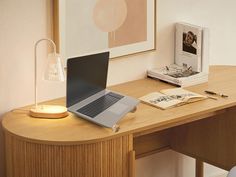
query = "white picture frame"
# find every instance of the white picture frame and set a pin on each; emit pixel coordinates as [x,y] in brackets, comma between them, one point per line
[78,33]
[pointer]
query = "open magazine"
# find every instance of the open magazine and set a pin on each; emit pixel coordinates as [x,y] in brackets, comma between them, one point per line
[171,98]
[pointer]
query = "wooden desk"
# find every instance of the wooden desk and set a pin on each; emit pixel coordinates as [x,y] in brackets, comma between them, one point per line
[73,147]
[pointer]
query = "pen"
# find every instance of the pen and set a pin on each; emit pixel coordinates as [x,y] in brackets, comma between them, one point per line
[214,93]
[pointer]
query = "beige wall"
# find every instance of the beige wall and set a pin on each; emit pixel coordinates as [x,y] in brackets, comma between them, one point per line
[23,22]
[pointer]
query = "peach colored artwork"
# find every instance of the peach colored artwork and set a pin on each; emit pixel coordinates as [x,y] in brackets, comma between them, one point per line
[134,28]
[109,15]
[125,20]
[122,27]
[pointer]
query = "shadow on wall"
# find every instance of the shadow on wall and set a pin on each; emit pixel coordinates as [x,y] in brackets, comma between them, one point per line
[2,150]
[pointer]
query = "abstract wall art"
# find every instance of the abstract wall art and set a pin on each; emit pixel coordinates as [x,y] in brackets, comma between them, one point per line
[121,26]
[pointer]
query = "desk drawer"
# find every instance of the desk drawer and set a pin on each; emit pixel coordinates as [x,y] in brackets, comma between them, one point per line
[151,143]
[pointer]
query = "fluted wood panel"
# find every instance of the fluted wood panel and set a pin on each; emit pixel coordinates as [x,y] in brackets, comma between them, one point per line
[109,158]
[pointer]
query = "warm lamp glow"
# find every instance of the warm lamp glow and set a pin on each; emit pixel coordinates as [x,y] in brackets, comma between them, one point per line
[49,111]
[53,109]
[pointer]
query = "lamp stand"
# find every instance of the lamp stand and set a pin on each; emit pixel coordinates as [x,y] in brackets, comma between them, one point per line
[49,112]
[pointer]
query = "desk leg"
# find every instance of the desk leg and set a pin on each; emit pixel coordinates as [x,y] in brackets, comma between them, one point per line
[132,164]
[199,168]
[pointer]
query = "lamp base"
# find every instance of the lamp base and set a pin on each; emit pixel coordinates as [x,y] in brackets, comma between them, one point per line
[49,112]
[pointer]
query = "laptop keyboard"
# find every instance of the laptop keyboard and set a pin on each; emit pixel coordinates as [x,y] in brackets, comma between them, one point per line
[96,107]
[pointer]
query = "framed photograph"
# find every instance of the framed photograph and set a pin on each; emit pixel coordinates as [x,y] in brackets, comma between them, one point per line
[122,27]
[188,46]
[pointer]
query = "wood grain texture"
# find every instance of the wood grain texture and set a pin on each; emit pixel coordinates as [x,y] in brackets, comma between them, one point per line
[152,143]
[132,164]
[199,169]
[49,112]
[212,140]
[103,159]
[56,29]
[145,120]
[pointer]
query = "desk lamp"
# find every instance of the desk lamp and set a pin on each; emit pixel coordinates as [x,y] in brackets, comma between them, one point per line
[54,72]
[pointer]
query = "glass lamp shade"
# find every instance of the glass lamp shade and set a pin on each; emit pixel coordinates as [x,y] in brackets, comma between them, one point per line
[54,70]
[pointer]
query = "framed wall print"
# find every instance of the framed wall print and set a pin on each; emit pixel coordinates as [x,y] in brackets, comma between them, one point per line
[122,27]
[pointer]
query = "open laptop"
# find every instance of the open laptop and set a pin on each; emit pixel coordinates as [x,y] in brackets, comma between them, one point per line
[86,94]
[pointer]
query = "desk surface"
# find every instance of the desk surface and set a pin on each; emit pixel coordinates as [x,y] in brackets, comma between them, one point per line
[146,119]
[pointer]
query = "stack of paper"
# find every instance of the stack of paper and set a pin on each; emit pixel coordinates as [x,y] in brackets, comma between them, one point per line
[191,61]
[169,75]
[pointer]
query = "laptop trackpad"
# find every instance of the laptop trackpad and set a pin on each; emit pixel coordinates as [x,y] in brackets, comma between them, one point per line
[118,108]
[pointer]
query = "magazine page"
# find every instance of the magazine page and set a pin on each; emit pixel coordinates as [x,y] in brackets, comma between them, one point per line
[183,95]
[178,75]
[160,100]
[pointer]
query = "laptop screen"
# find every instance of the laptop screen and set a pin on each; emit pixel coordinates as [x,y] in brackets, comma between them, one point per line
[86,76]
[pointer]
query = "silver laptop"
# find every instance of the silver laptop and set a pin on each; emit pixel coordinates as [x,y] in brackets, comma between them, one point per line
[86,94]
